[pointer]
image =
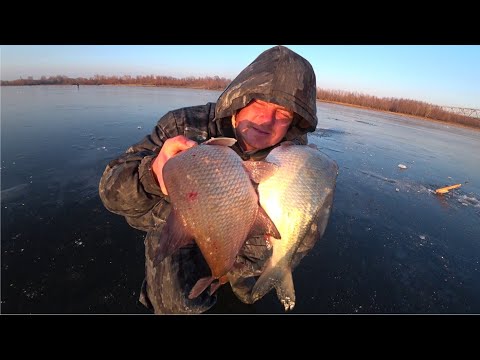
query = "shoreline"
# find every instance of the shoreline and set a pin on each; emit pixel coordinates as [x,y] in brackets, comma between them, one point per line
[402,114]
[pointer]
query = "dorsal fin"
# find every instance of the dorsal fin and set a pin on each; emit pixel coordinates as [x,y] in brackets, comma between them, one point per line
[263,225]
[287,143]
[224,141]
[259,171]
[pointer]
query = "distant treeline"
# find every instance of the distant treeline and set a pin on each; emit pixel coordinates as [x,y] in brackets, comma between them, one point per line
[209,83]
[402,106]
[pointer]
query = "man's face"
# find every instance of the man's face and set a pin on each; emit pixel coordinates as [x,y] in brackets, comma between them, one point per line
[261,124]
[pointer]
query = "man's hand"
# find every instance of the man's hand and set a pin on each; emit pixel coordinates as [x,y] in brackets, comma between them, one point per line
[170,148]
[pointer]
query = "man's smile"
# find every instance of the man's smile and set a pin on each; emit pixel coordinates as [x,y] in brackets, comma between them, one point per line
[260,131]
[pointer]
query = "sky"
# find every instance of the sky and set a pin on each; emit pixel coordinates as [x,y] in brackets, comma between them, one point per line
[446,75]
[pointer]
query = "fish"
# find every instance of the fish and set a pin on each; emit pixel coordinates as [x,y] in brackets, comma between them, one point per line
[298,199]
[214,204]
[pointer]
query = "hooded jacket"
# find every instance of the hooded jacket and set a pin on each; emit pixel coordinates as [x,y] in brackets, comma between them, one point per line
[280,76]
[129,188]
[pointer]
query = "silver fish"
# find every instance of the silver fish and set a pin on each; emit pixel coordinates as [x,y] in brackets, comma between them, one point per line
[214,203]
[298,199]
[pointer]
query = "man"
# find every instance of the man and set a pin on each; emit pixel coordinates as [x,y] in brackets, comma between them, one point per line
[272,100]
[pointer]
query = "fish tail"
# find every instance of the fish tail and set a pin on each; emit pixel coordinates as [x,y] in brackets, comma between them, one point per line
[200,286]
[280,278]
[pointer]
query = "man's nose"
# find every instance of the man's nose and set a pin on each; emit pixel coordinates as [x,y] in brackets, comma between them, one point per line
[268,117]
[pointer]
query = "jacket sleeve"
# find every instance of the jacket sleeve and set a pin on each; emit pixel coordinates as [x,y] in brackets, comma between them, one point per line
[128,186]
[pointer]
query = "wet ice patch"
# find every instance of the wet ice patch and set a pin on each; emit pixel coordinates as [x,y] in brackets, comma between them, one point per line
[468,200]
[323,132]
[365,122]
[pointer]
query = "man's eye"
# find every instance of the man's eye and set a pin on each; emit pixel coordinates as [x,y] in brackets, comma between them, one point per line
[284,115]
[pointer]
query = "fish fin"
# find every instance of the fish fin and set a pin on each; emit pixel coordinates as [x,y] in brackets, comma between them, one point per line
[263,225]
[259,171]
[279,277]
[242,287]
[200,286]
[223,279]
[172,237]
[224,141]
[287,143]
[214,286]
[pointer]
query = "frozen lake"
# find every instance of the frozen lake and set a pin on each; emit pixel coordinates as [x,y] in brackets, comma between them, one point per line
[391,245]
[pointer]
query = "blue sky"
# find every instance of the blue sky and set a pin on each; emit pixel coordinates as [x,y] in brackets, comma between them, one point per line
[437,74]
